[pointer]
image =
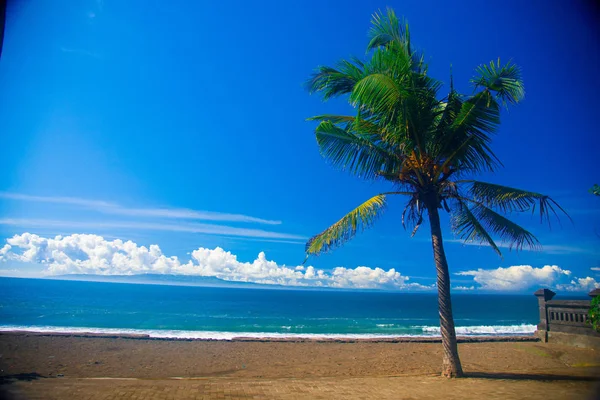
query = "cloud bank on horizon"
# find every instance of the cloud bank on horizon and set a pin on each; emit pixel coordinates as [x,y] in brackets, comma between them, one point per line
[521,277]
[92,254]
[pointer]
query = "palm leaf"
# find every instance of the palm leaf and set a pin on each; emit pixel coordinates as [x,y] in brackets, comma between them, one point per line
[392,34]
[507,199]
[387,28]
[466,143]
[345,229]
[350,122]
[352,152]
[448,110]
[480,223]
[402,104]
[466,225]
[377,92]
[504,80]
[363,128]
[338,80]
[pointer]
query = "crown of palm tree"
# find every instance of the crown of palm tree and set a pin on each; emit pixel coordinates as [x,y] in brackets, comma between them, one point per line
[426,145]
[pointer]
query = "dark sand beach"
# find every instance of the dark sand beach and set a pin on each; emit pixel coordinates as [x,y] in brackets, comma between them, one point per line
[64,366]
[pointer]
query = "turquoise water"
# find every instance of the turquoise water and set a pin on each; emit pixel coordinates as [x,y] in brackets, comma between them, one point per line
[205,312]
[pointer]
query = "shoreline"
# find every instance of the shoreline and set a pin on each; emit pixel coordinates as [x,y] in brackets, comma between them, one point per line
[413,332]
[275,339]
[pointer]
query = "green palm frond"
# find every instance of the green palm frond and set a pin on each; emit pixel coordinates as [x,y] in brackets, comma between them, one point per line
[504,80]
[345,229]
[466,144]
[392,59]
[403,104]
[387,28]
[466,226]
[479,223]
[379,93]
[393,34]
[361,126]
[338,80]
[354,153]
[365,129]
[463,131]
[448,110]
[507,199]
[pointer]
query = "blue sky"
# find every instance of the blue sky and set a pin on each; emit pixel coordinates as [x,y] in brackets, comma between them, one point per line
[184,126]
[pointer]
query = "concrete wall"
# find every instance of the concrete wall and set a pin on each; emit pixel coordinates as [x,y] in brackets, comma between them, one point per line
[566,321]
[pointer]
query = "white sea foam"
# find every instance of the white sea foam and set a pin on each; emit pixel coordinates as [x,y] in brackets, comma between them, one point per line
[179,334]
[485,330]
[427,331]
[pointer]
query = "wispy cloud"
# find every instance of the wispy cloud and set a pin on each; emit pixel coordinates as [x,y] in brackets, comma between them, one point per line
[562,249]
[550,249]
[155,226]
[59,200]
[279,241]
[82,52]
[116,209]
[176,213]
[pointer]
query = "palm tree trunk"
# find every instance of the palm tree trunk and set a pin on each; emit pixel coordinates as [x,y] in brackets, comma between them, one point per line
[451,367]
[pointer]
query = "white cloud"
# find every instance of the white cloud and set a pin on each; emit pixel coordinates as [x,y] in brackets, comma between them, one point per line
[517,277]
[464,288]
[371,278]
[92,254]
[225,265]
[116,209]
[586,284]
[83,254]
[595,268]
[365,277]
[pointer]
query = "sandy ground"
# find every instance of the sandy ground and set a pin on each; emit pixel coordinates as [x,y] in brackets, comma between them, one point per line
[533,366]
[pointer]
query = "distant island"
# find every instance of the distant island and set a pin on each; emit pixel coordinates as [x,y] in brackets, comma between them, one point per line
[178,280]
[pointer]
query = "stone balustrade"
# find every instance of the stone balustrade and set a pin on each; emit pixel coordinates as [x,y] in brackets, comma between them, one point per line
[566,321]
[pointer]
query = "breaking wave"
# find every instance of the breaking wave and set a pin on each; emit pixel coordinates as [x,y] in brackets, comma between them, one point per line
[424,331]
[523,329]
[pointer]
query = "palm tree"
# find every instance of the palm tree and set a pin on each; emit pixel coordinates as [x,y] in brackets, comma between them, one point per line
[428,148]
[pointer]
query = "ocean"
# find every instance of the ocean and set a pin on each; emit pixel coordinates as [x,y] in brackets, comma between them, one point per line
[45,305]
